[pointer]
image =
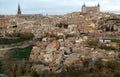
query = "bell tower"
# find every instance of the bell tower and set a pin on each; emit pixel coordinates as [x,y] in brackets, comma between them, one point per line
[84,8]
[98,10]
[19,10]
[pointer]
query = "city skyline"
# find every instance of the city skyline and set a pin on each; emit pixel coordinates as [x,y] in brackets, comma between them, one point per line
[55,7]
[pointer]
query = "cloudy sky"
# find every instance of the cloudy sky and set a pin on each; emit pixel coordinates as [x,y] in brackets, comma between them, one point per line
[55,6]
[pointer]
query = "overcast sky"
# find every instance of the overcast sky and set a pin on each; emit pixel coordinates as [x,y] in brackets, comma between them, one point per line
[55,6]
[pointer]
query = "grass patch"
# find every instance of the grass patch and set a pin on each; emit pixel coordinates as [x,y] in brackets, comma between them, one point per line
[20,53]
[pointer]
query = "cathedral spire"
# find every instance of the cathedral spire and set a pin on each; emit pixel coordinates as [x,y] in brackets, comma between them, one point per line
[19,10]
[98,4]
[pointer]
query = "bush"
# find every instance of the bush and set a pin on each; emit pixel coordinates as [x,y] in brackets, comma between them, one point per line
[113,65]
[93,42]
[26,36]
[16,37]
[10,41]
[1,70]
[34,74]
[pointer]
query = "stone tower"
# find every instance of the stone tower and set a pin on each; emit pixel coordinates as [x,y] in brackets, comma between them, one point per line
[84,8]
[19,10]
[98,7]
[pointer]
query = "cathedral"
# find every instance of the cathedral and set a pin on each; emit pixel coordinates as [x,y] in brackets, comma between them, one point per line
[91,9]
[19,10]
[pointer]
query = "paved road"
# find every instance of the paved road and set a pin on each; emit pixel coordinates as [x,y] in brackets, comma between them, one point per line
[14,47]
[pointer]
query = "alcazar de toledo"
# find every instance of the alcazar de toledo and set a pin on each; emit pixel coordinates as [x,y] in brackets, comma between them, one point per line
[91,9]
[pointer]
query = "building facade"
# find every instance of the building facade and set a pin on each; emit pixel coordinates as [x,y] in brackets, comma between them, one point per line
[91,9]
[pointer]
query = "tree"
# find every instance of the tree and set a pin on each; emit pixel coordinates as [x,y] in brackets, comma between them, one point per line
[21,69]
[86,63]
[1,69]
[26,35]
[53,35]
[65,25]
[107,28]
[59,25]
[113,65]
[117,74]
[60,37]
[112,28]
[93,43]
[99,64]
[15,26]
[27,68]
[34,74]
[10,68]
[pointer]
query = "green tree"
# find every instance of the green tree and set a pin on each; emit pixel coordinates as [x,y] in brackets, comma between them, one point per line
[26,35]
[27,68]
[117,74]
[34,74]
[99,64]
[113,65]
[86,63]
[1,69]
[112,28]
[93,43]
[21,69]
[10,68]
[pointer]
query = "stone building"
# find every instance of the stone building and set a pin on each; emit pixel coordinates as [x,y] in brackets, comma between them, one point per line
[90,9]
[3,25]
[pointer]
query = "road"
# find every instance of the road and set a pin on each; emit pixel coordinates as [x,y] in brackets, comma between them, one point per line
[2,49]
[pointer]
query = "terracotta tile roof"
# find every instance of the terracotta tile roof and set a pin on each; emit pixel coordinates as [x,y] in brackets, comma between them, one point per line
[56,47]
[32,53]
[52,44]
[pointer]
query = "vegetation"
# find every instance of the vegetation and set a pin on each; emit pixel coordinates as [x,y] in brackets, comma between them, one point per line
[86,63]
[64,25]
[110,28]
[15,62]
[107,47]
[53,35]
[70,35]
[26,35]
[14,68]
[115,40]
[113,19]
[100,69]
[23,35]
[4,41]
[1,70]
[16,37]
[60,37]
[20,53]
[34,74]
[15,26]
[93,43]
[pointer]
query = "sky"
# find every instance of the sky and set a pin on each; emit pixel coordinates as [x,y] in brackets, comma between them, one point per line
[51,7]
